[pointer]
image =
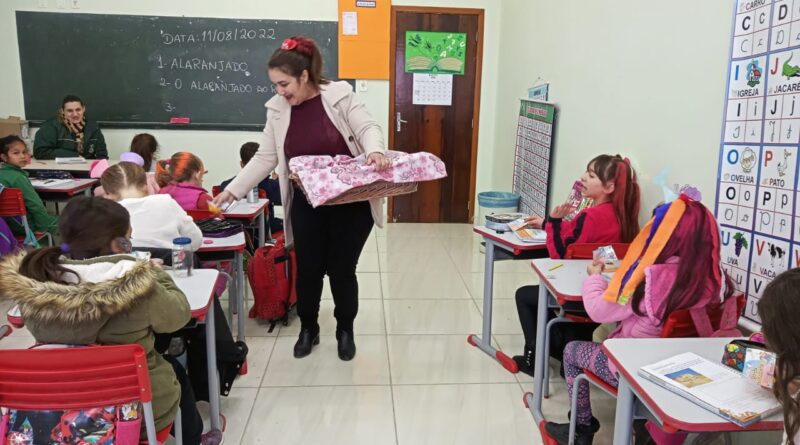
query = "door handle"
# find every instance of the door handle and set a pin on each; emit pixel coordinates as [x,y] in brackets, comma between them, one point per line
[399,121]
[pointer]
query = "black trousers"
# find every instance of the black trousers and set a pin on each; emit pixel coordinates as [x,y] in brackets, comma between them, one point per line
[328,240]
[562,333]
[191,422]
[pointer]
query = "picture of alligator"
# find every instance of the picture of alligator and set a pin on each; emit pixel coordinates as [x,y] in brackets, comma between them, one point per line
[790,71]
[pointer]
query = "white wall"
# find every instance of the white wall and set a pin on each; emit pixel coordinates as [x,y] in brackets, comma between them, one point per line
[642,78]
[219,149]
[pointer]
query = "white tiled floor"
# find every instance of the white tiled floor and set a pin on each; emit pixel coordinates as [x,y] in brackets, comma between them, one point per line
[414,380]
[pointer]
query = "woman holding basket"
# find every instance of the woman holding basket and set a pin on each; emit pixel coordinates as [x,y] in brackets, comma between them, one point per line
[311,115]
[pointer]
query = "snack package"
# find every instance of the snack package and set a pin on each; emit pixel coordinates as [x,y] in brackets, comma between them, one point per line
[576,200]
[759,366]
[607,255]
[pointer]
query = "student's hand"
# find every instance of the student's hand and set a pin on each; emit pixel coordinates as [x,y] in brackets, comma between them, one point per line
[561,211]
[534,222]
[380,161]
[223,198]
[596,267]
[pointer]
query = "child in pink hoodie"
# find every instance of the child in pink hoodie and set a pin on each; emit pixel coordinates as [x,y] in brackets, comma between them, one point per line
[672,264]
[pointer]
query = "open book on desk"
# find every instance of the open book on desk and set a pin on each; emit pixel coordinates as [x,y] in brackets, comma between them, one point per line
[526,234]
[713,386]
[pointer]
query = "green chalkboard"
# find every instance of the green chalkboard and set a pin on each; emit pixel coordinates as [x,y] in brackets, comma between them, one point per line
[141,71]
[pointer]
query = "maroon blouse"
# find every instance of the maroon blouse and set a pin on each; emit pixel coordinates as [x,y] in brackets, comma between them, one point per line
[311,132]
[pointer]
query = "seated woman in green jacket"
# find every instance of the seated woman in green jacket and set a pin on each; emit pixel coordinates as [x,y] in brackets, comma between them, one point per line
[14,155]
[70,134]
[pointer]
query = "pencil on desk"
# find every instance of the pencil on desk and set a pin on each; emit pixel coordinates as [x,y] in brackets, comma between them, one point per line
[555,267]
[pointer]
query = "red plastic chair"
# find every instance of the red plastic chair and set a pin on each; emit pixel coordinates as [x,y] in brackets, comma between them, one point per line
[198,215]
[115,375]
[12,205]
[583,251]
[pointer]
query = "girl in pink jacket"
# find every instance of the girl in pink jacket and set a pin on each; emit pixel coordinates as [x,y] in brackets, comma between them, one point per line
[181,176]
[672,264]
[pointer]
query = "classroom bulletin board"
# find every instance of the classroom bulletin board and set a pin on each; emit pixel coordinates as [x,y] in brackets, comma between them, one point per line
[757,187]
[364,39]
[533,155]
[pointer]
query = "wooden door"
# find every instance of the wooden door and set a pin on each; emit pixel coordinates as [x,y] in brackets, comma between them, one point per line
[449,132]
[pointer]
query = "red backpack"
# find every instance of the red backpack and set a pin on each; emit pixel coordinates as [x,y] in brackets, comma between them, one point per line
[272,277]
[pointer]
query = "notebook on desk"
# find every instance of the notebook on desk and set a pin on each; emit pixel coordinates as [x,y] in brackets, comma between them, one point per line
[49,182]
[713,386]
[72,160]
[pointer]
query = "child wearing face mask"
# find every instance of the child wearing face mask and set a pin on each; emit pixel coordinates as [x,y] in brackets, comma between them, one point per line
[89,291]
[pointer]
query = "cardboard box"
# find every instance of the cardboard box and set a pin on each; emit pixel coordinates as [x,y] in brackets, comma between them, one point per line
[14,125]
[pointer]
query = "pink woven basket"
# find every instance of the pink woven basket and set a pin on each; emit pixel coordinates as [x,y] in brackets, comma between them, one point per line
[378,189]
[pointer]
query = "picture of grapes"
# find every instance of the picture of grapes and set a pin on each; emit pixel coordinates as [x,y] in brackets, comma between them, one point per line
[741,243]
[435,52]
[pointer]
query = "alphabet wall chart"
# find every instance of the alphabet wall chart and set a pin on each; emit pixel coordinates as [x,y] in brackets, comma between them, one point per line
[532,155]
[757,193]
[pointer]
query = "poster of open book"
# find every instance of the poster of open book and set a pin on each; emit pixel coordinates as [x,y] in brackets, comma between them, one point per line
[435,52]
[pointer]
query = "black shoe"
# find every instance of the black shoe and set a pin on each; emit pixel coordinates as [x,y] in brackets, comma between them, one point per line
[640,434]
[347,345]
[584,434]
[305,342]
[525,362]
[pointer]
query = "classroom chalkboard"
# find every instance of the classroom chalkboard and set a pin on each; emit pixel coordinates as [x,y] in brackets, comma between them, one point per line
[141,71]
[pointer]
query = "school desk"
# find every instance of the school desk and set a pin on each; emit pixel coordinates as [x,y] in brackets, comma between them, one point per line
[563,280]
[508,243]
[250,211]
[78,170]
[216,249]
[671,411]
[199,291]
[62,192]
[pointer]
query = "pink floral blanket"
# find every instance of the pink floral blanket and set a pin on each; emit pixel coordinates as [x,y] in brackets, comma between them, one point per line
[326,177]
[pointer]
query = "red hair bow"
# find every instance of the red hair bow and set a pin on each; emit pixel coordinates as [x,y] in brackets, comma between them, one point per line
[289,44]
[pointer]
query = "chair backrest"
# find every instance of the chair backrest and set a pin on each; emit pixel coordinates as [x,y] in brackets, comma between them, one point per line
[198,215]
[85,377]
[12,203]
[583,251]
[679,324]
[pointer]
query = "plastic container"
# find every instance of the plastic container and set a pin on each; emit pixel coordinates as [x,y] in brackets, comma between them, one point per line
[182,257]
[252,195]
[495,202]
